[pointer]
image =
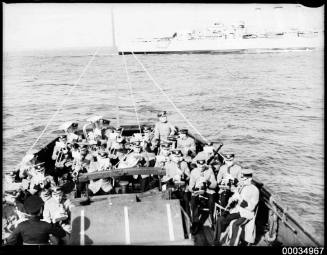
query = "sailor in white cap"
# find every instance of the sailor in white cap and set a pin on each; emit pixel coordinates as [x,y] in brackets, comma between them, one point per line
[228,176]
[163,128]
[242,206]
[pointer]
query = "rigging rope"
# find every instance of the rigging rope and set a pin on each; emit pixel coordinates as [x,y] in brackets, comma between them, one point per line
[117,104]
[64,101]
[131,92]
[172,103]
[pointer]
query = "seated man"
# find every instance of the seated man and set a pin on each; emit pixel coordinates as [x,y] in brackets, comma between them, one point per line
[100,186]
[163,156]
[138,158]
[206,154]
[57,210]
[63,166]
[10,183]
[243,204]
[229,175]
[176,169]
[96,132]
[103,159]
[186,144]
[202,183]
[163,129]
[177,178]
[135,158]
[39,180]
[26,165]
[59,146]
[147,135]
[70,129]
[34,231]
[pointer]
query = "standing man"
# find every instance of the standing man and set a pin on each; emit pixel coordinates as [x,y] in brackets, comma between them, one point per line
[163,128]
[243,205]
[34,231]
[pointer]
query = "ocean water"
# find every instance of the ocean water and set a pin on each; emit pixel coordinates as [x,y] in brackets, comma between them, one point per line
[267,108]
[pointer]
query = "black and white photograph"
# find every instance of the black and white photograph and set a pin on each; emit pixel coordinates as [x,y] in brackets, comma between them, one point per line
[163,124]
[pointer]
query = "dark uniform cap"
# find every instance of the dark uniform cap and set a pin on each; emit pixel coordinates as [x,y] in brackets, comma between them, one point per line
[11,173]
[247,172]
[75,125]
[165,145]
[183,131]
[177,152]
[120,139]
[201,161]
[39,168]
[33,204]
[103,153]
[146,129]
[118,129]
[46,193]
[62,137]
[75,145]
[137,144]
[162,114]
[57,190]
[84,148]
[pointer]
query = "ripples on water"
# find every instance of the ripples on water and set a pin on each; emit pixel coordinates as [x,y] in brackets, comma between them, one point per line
[267,108]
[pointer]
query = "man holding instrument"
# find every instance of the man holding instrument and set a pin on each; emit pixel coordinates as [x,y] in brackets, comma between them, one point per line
[229,175]
[202,186]
[241,207]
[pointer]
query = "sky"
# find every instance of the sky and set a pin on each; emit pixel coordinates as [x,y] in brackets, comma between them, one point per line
[43,26]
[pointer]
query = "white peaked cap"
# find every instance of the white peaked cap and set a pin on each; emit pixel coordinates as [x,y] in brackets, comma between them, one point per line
[94,118]
[66,125]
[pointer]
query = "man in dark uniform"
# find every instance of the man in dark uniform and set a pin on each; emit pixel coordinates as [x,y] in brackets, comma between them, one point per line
[34,231]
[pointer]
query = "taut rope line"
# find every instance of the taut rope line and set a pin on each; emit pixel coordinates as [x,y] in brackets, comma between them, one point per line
[67,95]
[172,103]
[131,91]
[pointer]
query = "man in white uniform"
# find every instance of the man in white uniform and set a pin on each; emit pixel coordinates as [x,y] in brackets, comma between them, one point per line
[243,205]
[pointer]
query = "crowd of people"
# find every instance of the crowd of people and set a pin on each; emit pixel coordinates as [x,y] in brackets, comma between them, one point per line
[37,198]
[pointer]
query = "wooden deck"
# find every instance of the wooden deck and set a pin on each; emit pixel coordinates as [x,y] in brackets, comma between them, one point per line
[124,221]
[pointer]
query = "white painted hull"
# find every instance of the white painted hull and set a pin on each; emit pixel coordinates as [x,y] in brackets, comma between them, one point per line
[223,45]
